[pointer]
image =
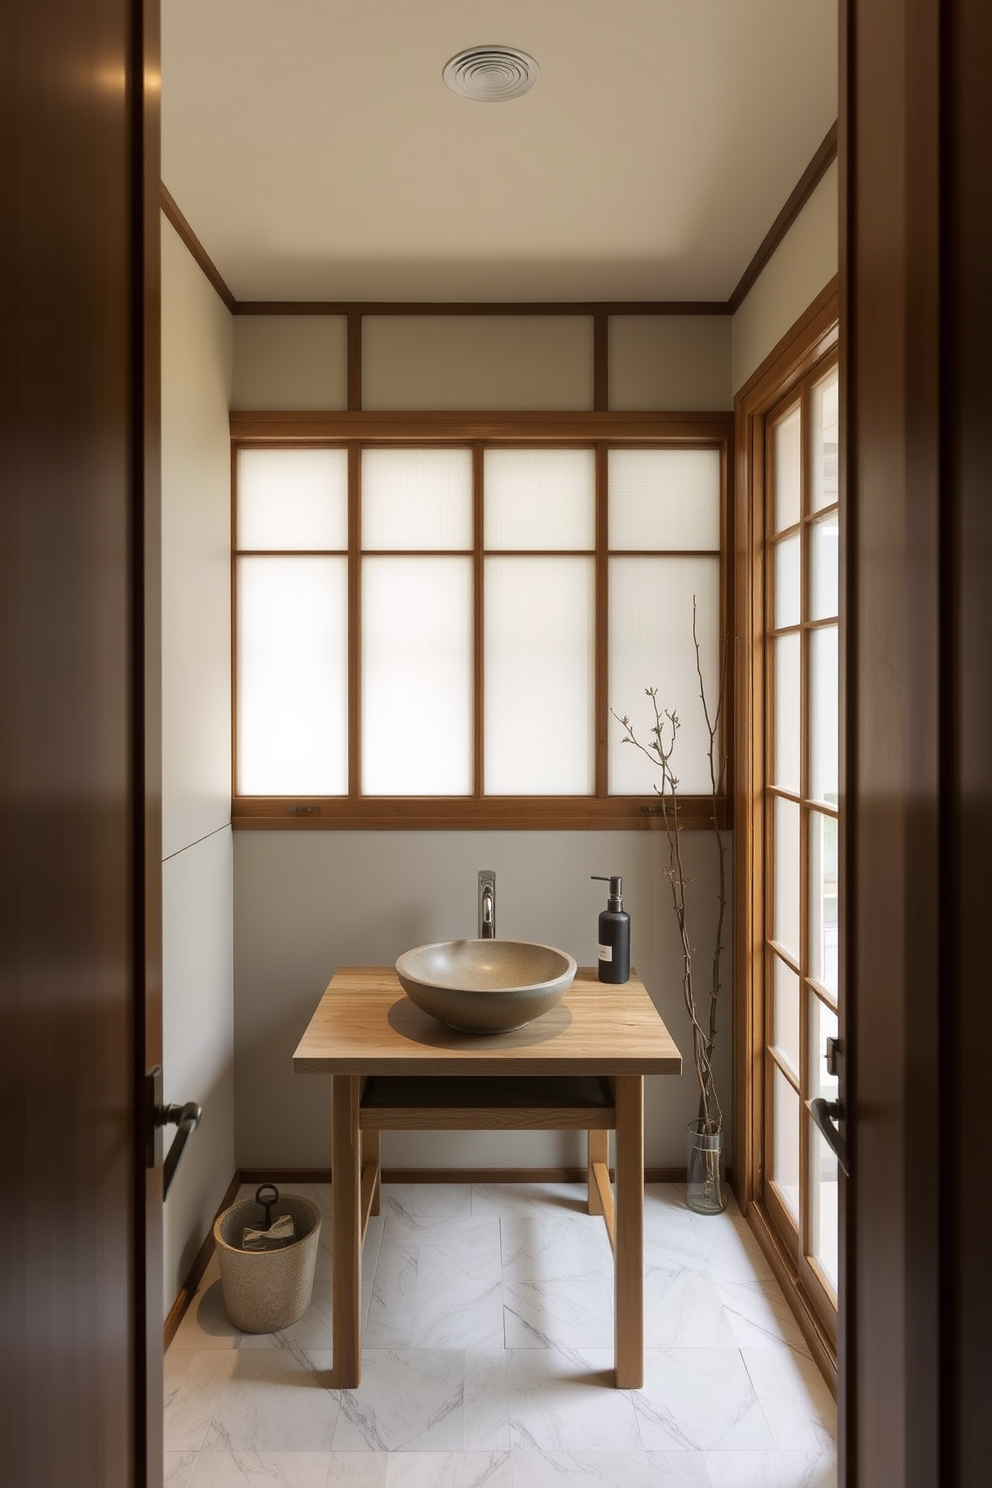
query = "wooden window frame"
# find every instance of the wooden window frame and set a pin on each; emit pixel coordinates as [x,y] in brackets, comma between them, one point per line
[598,431]
[801,359]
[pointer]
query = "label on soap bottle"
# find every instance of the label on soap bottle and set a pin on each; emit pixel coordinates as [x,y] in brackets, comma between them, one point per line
[606,953]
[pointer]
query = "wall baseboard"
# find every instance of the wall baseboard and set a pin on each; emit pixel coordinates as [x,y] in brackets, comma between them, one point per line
[453,1175]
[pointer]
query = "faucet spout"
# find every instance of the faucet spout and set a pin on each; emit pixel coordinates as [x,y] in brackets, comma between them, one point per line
[487,904]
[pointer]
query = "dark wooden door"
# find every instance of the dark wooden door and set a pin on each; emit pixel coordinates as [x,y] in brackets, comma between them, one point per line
[916,331]
[80,1274]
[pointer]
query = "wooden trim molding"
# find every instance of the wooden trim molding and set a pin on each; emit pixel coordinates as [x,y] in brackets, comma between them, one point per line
[821,1346]
[199,253]
[545,428]
[803,190]
[481,307]
[468,813]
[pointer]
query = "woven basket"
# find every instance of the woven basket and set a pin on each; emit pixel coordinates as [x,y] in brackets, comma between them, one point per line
[265,1290]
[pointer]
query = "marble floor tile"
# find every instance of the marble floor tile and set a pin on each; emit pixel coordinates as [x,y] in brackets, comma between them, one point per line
[698,1399]
[275,1401]
[261,1470]
[683,1309]
[564,1400]
[485,1406]
[671,1239]
[178,1468]
[760,1317]
[394,1285]
[449,1470]
[426,1201]
[357,1470]
[536,1248]
[206,1324]
[800,1410]
[192,1398]
[458,1299]
[771,1469]
[409,1399]
[528,1199]
[731,1251]
[666,1198]
[636,1469]
[572,1312]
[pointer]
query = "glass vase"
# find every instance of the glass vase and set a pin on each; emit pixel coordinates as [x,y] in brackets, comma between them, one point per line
[704,1171]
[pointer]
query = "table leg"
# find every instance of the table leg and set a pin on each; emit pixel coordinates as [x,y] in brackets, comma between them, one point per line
[629,1250]
[371,1154]
[599,1151]
[346,1236]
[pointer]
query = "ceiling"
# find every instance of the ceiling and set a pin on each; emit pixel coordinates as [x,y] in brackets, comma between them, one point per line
[316,153]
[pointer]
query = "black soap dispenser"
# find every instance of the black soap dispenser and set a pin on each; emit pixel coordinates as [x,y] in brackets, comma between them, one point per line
[614,934]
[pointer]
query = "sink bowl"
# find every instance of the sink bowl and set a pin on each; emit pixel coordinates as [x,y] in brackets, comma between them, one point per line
[485,986]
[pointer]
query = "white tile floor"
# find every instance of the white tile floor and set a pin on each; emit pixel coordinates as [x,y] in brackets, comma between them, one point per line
[488,1347]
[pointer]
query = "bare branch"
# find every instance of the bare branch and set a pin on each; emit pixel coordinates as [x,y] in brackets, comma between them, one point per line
[660,751]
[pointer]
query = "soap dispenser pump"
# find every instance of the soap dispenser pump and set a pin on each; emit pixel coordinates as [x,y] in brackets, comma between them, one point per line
[614,934]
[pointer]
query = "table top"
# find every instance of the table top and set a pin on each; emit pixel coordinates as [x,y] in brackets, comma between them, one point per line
[366,1025]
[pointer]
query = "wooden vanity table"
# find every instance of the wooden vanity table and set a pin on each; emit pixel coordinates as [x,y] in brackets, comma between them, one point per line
[579,1067]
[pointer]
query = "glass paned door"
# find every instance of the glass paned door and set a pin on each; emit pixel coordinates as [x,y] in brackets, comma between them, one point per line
[801,922]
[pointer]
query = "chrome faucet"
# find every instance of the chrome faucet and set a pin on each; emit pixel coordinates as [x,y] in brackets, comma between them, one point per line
[487,904]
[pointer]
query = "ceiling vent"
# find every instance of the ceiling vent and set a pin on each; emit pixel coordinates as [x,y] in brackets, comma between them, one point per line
[491,74]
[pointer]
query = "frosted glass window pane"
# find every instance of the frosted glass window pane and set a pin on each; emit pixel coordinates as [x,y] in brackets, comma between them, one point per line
[540,498]
[785,1141]
[824,567]
[293,676]
[785,1029]
[824,440]
[417,499]
[665,500]
[823,920]
[651,646]
[417,676]
[540,665]
[785,876]
[787,444]
[785,557]
[787,712]
[822,1026]
[824,1207]
[824,732]
[295,499]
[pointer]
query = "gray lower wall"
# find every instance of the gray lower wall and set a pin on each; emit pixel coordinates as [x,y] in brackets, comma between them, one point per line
[307,902]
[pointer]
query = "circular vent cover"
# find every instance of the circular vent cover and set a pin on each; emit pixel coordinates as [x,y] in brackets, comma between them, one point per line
[491,74]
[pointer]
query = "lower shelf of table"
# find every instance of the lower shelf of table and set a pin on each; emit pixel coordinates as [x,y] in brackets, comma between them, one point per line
[487,1103]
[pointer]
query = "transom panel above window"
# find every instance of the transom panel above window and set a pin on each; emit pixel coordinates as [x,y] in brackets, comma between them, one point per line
[436,632]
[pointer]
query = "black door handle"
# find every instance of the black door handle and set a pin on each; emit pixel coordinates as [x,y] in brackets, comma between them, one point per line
[186,1118]
[826,1114]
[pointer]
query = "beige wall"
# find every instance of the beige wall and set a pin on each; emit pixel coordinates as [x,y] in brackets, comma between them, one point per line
[680,363]
[513,362]
[290,361]
[307,902]
[805,261]
[197,870]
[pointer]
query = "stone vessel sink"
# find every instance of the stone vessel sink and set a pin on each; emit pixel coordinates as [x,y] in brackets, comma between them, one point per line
[485,986]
